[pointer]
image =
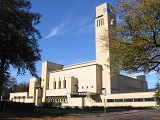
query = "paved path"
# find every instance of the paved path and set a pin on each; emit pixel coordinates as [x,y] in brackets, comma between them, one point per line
[129,115]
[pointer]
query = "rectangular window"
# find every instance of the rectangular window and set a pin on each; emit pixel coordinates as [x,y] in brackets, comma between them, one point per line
[128,100]
[54,85]
[126,87]
[148,99]
[118,100]
[138,100]
[64,83]
[99,22]
[110,100]
[59,84]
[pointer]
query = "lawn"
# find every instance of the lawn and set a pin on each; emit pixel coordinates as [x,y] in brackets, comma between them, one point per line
[58,111]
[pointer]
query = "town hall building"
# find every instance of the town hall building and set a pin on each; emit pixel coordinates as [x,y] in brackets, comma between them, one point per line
[88,83]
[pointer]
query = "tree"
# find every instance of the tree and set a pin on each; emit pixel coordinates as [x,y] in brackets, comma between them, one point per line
[18,38]
[10,84]
[135,41]
[22,87]
[157,94]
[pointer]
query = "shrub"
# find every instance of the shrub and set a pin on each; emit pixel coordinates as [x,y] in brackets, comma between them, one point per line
[17,105]
[51,104]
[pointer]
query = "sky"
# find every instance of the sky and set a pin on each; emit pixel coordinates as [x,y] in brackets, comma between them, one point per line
[68,34]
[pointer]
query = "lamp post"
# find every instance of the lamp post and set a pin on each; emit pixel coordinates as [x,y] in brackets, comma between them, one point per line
[105,93]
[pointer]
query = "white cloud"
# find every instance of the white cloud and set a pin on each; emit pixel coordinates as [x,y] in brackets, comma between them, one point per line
[61,27]
[55,31]
[70,22]
[85,24]
[86,28]
[82,20]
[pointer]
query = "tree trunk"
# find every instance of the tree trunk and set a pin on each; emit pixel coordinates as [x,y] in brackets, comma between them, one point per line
[1,82]
[2,70]
[0,90]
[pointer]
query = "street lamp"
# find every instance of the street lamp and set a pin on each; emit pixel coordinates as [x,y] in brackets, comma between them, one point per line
[105,93]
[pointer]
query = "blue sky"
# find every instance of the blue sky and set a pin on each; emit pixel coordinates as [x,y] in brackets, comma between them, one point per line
[68,34]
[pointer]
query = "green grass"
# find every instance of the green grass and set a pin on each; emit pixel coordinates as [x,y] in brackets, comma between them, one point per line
[58,111]
[155,107]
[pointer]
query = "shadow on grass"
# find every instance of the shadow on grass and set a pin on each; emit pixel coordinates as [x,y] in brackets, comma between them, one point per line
[40,112]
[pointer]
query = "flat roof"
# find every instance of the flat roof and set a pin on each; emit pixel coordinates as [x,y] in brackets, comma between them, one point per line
[79,65]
